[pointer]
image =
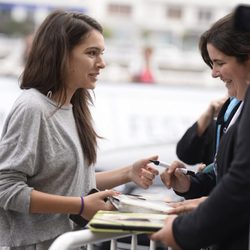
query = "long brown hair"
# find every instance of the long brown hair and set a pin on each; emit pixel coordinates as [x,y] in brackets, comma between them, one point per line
[224,37]
[46,66]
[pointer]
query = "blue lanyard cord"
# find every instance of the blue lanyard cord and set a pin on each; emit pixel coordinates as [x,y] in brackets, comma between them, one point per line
[215,168]
[218,137]
[230,108]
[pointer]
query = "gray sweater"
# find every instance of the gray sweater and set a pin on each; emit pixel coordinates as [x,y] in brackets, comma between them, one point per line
[39,149]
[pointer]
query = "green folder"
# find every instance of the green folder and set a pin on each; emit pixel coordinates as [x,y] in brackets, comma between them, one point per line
[115,221]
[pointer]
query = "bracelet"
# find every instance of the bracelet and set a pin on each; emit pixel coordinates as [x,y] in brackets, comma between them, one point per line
[82,205]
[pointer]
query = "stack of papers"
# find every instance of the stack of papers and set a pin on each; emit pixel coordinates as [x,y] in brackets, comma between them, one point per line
[135,213]
[139,204]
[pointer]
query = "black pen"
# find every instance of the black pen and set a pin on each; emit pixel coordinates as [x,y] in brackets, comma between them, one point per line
[166,165]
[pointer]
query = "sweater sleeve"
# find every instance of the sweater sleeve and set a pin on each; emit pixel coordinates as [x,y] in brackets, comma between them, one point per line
[193,149]
[18,148]
[226,211]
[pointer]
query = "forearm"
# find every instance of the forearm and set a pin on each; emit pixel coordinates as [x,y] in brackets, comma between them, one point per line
[113,178]
[48,203]
[189,148]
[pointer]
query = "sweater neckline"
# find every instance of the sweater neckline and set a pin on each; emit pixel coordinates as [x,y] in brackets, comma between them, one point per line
[64,107]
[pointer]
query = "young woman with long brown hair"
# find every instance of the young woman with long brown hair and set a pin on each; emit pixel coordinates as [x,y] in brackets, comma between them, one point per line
[48,145]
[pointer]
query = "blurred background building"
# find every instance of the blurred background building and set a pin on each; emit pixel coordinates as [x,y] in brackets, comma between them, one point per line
[171,28]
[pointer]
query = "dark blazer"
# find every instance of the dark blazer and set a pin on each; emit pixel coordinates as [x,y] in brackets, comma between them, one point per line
[193,149]
[223,219]
[203,183]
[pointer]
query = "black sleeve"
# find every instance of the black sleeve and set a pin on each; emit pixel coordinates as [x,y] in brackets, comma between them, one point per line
[201,185]
[226,211]
[193,149]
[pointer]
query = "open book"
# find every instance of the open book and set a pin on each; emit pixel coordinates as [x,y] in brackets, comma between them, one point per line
[139,204]
[115,221]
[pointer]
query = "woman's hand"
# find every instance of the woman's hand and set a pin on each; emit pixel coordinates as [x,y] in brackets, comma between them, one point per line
[201,167]
[174,178]
[208,116]
[186,205]
[142,173]
[95,202]
[216,105]
[165,235]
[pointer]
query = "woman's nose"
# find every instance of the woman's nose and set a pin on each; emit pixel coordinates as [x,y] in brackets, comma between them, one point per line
[215,73]
[101,63]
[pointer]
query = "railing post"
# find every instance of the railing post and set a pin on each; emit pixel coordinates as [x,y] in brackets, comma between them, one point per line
[113,244]
[134,242]
[152,245]
[90,247]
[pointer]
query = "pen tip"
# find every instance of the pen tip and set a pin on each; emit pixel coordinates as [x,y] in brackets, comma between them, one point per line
[155,162]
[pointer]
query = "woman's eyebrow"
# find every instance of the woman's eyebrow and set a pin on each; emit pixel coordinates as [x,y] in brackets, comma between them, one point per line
[217,60]
[95,48]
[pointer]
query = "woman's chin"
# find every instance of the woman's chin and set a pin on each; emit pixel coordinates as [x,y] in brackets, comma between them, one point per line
[232,93]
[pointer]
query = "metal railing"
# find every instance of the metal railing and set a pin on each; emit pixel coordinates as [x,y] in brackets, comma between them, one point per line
[80,238]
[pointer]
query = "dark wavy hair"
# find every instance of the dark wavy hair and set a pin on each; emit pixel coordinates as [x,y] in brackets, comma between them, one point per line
[46,69]
[224,37]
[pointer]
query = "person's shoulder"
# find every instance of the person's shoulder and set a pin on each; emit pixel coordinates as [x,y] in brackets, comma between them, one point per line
[31,99]
[30,103]
[27,110]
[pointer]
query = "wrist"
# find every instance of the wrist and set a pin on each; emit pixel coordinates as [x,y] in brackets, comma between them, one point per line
[170,237]
[184,189]
[81,205]
[130,173]
[126,174]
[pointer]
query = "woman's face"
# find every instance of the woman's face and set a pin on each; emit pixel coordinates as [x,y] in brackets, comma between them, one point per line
[85,62]
[230,71]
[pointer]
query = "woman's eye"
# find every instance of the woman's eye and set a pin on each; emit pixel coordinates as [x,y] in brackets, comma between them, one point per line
[219,63]
[92,53]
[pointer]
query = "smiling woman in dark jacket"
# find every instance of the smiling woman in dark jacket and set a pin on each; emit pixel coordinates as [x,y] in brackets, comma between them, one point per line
[223,218]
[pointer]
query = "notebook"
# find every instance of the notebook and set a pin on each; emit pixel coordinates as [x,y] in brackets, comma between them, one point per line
[115,221]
